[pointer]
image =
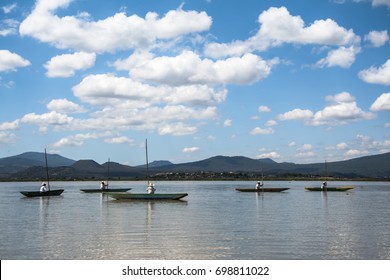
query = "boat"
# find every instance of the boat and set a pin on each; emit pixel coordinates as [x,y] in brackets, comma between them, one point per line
[262,189]
[39,193]
[330,189]
[147,196]
[49,192]
[106,190]
[324,187]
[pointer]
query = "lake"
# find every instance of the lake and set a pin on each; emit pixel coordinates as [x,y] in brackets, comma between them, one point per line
[214,222]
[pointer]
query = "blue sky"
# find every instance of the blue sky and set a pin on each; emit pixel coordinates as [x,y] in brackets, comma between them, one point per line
[297,81]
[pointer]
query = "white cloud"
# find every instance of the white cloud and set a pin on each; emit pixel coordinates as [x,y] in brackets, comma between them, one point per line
[382,103]
[263,109]
[106,89]
[377,38]
[189,68]
[341,110]
[278,26]
[119,140]
[343,57]
[354,153]
[379,75]
[51,118]
[7,137]
[106,35]
[227,123]
[67,64]
[273,155]
[9,125]
[296,114]
[376,3]
[9,8]
[64,106]
[262,131]
[177,129]
[292,144]
[10,61]
[342,146]
[271,123]
[75,140]
[190,150]
[8,27]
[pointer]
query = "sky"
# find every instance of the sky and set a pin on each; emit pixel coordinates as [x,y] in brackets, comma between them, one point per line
[295,81]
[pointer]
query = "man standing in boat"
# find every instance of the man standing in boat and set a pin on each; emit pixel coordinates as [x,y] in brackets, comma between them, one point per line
[103,186]
[323,185]
[43,188]
[150,189]
[259,185]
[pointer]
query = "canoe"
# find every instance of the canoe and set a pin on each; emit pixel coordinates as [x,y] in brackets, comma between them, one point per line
[329,189]
[105,191]
[38,193]
[261,189]
[146,196]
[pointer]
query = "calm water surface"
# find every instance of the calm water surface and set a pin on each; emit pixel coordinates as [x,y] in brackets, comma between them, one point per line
[213,222]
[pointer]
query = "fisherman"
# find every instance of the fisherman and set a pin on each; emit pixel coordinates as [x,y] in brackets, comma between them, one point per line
[323,185]
[103,186]
[259,185]
[43,188]
[150,189]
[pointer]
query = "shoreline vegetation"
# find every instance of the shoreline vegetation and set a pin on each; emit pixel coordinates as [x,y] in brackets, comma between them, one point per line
[207,176]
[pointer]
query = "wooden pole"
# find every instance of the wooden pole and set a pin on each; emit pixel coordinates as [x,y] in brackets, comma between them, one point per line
[47,172]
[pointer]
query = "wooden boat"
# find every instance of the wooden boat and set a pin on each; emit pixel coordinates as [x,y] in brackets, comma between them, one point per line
[49,192]
[105,191]
[148,196]
[329,189]
[325,188]
[39,193]
[261,189]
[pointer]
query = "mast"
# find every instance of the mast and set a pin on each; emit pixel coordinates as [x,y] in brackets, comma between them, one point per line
[47,172]
[108,171]
[147,161]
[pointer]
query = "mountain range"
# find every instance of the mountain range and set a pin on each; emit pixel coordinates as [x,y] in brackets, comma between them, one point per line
[31,166]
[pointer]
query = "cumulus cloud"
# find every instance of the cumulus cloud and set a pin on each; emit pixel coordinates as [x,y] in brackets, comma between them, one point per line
[262,131]
[67,64]
[190,150]
[11,61]
[263,109]
[75,140]
[8,27]
[376,3]
[273,155]
[189,68]
[382,103]
[343,57]
[278,26]
[377,38]
[51,118]
[296,114]
[375,75]
[9,125]
[227,123]
[64,106]
[119,140]
[105,89]
[112,33]
[342,109]
[178,129]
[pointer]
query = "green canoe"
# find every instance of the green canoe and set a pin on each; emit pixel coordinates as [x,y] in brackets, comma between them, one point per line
[329,189]
[39,193]
[261,189]
[146,196]
[105,191]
